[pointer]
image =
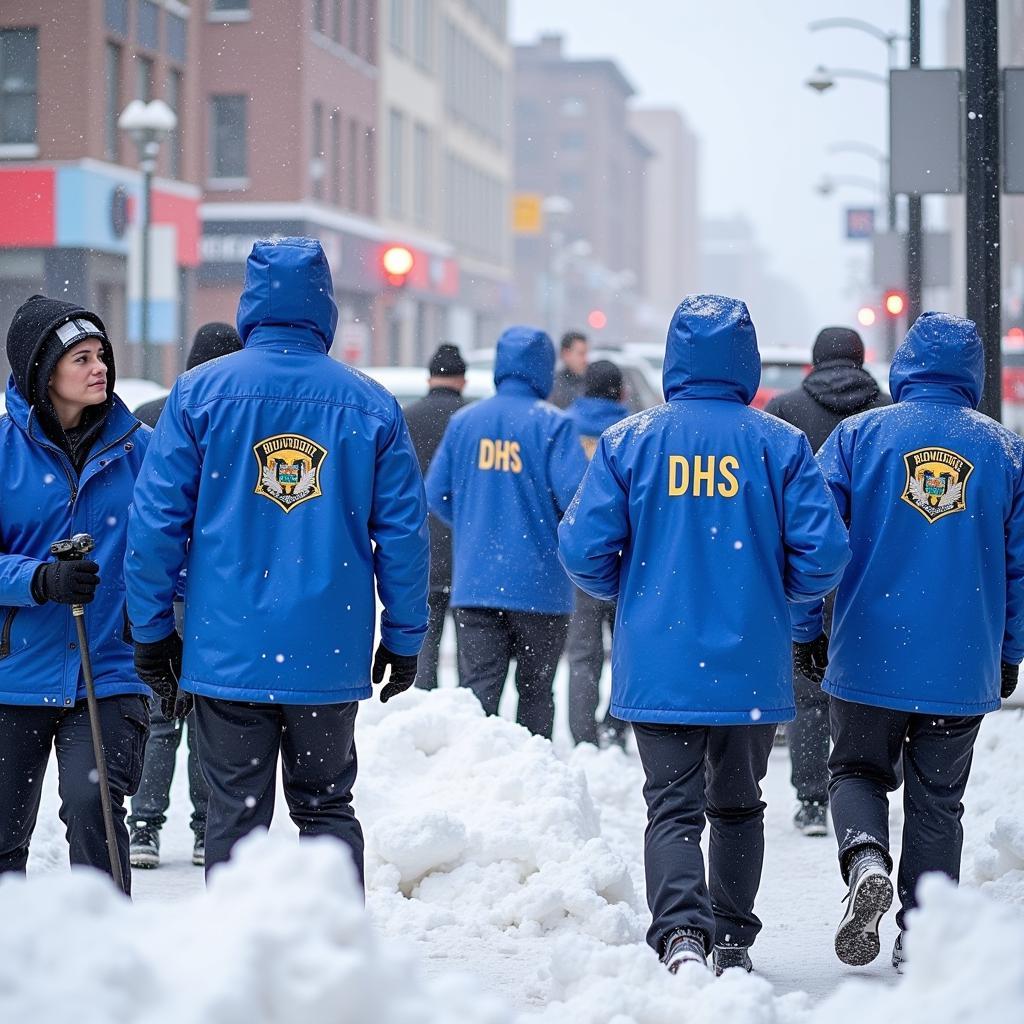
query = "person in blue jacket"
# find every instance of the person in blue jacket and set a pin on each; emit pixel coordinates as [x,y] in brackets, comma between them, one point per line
[505,472]
[287,485]
[928,629]
[69,455]
[704,518]
[599,407]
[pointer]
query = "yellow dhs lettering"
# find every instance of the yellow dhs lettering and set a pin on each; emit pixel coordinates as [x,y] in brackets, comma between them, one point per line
[702,476]
[501,456]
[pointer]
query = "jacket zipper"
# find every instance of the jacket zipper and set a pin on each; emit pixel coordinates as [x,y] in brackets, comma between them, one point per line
[5,635]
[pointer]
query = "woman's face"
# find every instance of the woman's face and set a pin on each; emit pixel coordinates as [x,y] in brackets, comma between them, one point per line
[80,378]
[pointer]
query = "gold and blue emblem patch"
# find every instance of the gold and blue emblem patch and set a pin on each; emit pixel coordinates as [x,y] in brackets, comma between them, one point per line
[288,469]
[936,482]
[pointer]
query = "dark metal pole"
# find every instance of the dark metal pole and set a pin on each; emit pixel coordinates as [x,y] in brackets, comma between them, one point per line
[981,64]
[915,220]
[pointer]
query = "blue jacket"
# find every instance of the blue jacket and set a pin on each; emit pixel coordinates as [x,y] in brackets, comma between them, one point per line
[286,484]
[46,500]
[505,472]
[592,417]
[704,517]
[934,497]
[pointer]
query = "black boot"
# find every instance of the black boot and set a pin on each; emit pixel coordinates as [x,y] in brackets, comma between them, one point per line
[724,957]
[144,846]
[870,896]
[812,818]
[683,946]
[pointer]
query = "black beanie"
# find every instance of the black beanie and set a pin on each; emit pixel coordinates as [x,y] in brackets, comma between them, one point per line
[602,379]
[447,361]
[835,343]
[212,341]
[34,345]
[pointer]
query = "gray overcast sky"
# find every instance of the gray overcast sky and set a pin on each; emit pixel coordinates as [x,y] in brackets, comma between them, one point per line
[735,69]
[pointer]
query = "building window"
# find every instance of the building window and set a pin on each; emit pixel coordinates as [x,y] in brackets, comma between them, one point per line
[316,163]
[228,131]
[422,174]
[229,6]
[177,38]
[474,85]
[396,162]
[336,19]
[353,27]
[116,16]
[396,26]
[147,25]
[319,16]
[336,157]
[19,60]
[113,99]
[370,196]
[423,33]
[174,81]
[353,166]
[143,79]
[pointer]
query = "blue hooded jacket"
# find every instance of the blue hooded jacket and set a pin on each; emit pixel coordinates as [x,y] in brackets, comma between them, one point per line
[286,483]
[593,416]
[934,497]
[703,518]
[505,472]
[45,500]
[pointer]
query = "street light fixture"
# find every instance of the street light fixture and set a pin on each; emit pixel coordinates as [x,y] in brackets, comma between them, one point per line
[147,124]
[829,183]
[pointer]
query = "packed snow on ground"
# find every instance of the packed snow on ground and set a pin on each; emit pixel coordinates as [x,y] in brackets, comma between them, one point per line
[504,882]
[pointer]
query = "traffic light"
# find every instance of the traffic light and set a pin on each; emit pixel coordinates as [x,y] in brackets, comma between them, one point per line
[397,263]
[596,319]
[894,302]
[866,316]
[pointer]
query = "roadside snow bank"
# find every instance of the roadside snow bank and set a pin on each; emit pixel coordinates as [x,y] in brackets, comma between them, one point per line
[280,936]
[475,825]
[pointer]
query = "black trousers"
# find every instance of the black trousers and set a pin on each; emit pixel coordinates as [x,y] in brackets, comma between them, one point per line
[489,638]
[426,667]
[808,738]
[239,744]
[27,735]
[871,748]
[584,649]
[150,803]
[693,772]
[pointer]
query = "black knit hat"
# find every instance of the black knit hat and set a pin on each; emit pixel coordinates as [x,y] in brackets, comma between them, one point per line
[447,361]
[602,379]
[41,331]
[212,341]
[835,343]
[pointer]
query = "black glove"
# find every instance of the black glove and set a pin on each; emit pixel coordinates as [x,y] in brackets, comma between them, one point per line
[1007,679]
[177,707]
[403,672]
[159,665]
[66,582]
[811,659]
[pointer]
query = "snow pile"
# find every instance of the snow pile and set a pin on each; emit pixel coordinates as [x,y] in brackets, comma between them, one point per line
[281,936]
[476,826]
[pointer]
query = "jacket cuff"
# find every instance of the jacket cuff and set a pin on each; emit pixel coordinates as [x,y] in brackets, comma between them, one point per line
[154,631]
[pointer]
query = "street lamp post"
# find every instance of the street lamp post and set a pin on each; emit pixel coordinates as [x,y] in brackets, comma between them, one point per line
[556,210]
[147,124]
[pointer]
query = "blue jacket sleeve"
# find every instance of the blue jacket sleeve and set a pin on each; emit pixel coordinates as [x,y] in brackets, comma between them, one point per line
[595,529]
[566,463]
[398,528]
[1013,637]
[160,522]
[439,480]
[814,538]
[16,572]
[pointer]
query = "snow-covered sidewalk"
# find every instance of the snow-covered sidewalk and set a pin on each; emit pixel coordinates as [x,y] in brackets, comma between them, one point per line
[493,854]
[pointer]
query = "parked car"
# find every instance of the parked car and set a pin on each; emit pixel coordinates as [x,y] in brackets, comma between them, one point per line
[409,383]
[1013,384]
[782,369]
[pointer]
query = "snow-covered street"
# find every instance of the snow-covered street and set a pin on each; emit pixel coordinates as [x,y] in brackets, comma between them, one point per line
[494,855]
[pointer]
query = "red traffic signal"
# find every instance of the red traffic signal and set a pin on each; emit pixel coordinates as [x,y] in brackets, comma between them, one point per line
[894,302]
[597,320]
[397,263]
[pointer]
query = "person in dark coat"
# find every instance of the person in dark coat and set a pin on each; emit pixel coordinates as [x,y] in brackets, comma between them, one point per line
[69,453]
[427,420]
[837,386]
[568,385]
[150,803]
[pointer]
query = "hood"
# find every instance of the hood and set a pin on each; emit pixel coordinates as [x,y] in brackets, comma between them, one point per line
[841,387]
[593,416]
[526,354]
[288,285]
[711,351]
[834,343]
[941,359]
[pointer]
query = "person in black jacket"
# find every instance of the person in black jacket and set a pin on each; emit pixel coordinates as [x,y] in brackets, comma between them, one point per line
[150,803]
[837,386]
[427,420]
[568,386]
